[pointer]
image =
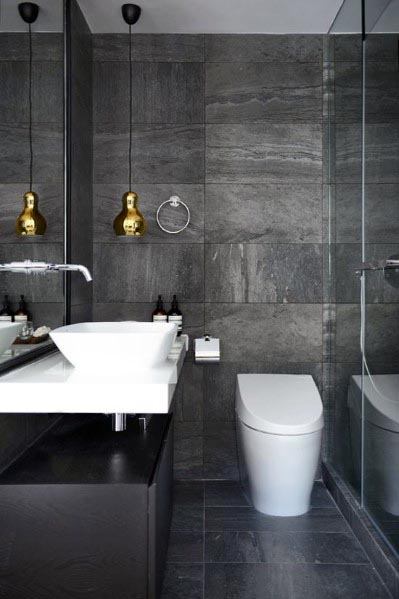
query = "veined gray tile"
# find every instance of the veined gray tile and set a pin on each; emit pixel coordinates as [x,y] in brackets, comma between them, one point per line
[275,92]
[45,46]
[382,88]
[381,333]
[299,581]
[48,288]
[153,48]
[220,382]
[381,287]
[263,48]
[382,151]
[107,204]
[145,271]
[47,148]
[220,450]
[189,394]
[256,332]
[161,153]
[263,213]
[188,463]
[253,153]
[248,519]
[164,92]
[289,547]
[231,493]
[185,547]
[381,217]
[51,202]
[47,91]
[251,273]
[188,493]
[183,580]
[379,47]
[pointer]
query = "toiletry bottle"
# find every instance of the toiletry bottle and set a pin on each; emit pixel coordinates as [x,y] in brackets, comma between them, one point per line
[22,314]
[175,315]
[159,314]
[6,312]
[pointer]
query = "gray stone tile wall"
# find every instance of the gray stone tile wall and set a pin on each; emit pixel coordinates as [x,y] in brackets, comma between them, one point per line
[232,124]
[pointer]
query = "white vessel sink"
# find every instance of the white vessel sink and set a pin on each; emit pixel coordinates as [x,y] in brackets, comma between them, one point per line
[123,347]
[9,331]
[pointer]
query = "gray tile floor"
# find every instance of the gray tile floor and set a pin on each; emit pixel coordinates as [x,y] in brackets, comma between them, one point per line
[221,548]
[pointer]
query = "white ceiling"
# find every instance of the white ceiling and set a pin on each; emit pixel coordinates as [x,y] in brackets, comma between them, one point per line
[50,17]
[215,16]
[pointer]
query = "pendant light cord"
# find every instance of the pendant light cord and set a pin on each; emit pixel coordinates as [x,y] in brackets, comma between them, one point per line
[130,107]
[30,111]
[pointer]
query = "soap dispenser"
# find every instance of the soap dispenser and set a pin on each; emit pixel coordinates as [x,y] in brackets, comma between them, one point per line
[175,316]
[159,314]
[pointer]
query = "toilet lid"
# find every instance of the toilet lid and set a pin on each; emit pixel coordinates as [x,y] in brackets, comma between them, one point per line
[280,404]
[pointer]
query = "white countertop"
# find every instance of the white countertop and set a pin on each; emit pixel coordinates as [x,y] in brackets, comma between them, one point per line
[52,385]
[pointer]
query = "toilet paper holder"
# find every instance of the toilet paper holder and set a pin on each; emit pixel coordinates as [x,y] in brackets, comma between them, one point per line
[207,349]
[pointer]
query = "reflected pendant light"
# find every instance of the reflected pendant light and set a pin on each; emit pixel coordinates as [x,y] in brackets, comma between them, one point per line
[30,221]
[130,221]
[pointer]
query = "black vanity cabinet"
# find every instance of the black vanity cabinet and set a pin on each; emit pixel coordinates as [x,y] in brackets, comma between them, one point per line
[85,513]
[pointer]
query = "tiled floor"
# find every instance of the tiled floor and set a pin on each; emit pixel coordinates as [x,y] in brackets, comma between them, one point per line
[221,548]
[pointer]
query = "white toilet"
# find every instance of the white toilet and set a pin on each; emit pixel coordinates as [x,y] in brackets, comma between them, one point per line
[279,427]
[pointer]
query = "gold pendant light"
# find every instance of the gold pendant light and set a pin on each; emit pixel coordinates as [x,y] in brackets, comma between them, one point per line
[30,221]
[130,221]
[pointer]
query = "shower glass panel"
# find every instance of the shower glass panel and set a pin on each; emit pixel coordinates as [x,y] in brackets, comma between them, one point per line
[343,68]
[380,301]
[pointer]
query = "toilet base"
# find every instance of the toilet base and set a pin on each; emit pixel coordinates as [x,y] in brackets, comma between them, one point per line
[278,471]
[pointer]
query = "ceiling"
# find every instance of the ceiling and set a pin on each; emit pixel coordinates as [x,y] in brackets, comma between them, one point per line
[215,16]
[50,17]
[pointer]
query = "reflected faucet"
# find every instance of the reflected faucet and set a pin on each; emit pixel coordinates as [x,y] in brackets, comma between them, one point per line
[30,267]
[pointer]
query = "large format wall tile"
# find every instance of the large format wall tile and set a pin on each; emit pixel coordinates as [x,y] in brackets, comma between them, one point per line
[161,154]
[276,92]
[254,153]
[108,202]
[14,153]
[381,333]
[381,215]
[283,273]
[382,153]
[381,287]
[382,86]
[163,92]
[263,48]
[263,213]
[220,382]
[144,271]
[45,46]
[154,48]
[193,313]
[256,332]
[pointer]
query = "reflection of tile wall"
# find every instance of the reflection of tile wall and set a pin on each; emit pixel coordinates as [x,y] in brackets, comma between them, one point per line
[44,295]
[232,124]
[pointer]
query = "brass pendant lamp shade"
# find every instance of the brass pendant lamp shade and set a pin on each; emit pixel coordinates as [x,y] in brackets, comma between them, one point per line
[30,221]
[130,221]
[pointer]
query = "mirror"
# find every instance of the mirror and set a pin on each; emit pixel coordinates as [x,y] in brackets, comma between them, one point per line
[31,120]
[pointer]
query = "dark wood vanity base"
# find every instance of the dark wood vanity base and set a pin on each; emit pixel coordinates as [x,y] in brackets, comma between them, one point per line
[86,512]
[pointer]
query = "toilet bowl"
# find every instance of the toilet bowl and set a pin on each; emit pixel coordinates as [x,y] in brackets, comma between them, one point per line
[279,425]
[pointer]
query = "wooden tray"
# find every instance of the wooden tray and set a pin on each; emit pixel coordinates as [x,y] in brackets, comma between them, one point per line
[31,341]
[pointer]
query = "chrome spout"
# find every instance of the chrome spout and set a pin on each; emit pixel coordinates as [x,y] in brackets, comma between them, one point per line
[30,267]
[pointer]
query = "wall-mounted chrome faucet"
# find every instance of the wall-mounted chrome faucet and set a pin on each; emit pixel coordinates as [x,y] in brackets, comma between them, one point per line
[30,267]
